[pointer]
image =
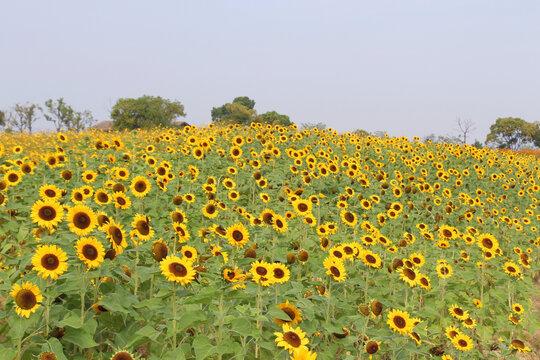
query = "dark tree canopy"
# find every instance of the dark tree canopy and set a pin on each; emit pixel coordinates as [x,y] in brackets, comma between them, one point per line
[242,111]
[145,112]
[511,133]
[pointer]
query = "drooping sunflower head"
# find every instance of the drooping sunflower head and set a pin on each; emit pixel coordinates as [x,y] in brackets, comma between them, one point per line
[159,250]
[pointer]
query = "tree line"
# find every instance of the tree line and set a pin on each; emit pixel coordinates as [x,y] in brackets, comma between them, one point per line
[151,111]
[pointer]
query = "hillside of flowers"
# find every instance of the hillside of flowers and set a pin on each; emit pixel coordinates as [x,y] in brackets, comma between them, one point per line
[264,242]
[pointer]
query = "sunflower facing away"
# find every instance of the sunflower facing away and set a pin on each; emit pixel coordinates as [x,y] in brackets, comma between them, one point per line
[47,214]
[50,261]
[176,269]
[27,298]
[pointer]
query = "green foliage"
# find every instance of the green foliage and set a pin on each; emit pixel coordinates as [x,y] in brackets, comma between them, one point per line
[511,133]
[65,118]
[536,136]
[145,112]
[242,111]
[309,126]
[23,117]
[272,117]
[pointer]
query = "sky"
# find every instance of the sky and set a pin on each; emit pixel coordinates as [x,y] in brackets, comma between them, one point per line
[408,68]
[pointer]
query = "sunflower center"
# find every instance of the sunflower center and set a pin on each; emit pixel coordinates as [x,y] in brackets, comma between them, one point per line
[518,344]
[409,273]
[447,233]
[121,201]
[444,270]
[140,186]
[177,217]
[210,209]
[458,311]
[372,347]
[78,196]
[261,271]
[335,271]
[81,220]
[50,261]
[462,343]
[143,228]
[237,235]
[279,223]
[424,281]
[50,193]
[399,322]
[188,254]
[47,356]
[13,177]
[47,213]
[292,339]
[337,254]
[25,299]
[90,252]
[178,270]
[371,259]
[349,217]
[102,197]
[487,243]
[124,355]
[116,234]
[302,207]
[279,273]
[290,312]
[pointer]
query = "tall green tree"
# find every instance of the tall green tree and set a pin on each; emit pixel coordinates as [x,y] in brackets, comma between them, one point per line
[145,112]
[511,133]
[272,117]
[59,113]
[23,117]
[240,111]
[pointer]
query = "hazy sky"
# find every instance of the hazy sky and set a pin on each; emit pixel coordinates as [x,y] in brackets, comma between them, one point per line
[406,67]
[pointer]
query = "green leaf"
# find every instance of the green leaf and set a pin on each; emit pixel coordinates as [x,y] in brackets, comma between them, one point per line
[72,320]
[79,337]
[276,312]
[176,354]
[56,347]
[202,346]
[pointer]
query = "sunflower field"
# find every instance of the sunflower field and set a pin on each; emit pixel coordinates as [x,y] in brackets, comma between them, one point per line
[264,242]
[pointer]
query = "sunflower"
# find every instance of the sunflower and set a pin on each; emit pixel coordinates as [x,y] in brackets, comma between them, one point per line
[90,251]
[469,323]
[13,177]
[182,232]
[116,236]
[444,270]
[294,314]
[261,272]
[189,253]
[519,346]
[237,235]
[159,250]
[176,269]
[302,207]
[81,219]
[410,276]
[511,269]
[47,355]
[451,332]
[517,308]
[121,200]
[47,214]
[303,353]
[371,259]
[122,355]
[487,242]
[102,197]
[280,223]
[335,268]
[27,298]
[478,303]
[210,210]
[349,218]
[140,186]
[279,273]
[178,216]
[462,342]
[458,312]
[372,347]
[424,282]
[50,261]
[50,192]
[89,176]
[400,321]
[291,339]
[141,224]
[418,259]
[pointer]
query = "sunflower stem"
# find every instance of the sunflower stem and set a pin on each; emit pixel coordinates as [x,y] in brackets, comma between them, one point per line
[135,277]
[174,314]
[83,293]
[259,324]
[48,308]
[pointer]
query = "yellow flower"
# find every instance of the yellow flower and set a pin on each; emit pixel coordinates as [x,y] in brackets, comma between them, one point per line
[50,261]
[27,298]
[47,214]
[90,251]
[81,219]
[400,321]
[291,339]
[176,269]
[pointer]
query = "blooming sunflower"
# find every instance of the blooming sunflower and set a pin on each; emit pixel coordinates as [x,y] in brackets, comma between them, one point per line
[444,270]
[237,235]
[50,261]
[451,332]
[335,267]
[261,272]
[400,321]
[487,242]
[302,207]
[458,312]
[372,259]
[512,269]
[291,339]
[176,269]
[140,186]
[294,314]
[90,251]
[372,347]
[47,214]
[517,308]
[280,223]
[81,219]
[122,355]
[462,342]
[519,346]
[13,177]
[116,235]
[349,218]
[410,276]
[121,200]
[182,232]
[141,224]
[303,354]
[189,253]
[27,297]
[210,210]
[280,273]
[47,355]
[50,192]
